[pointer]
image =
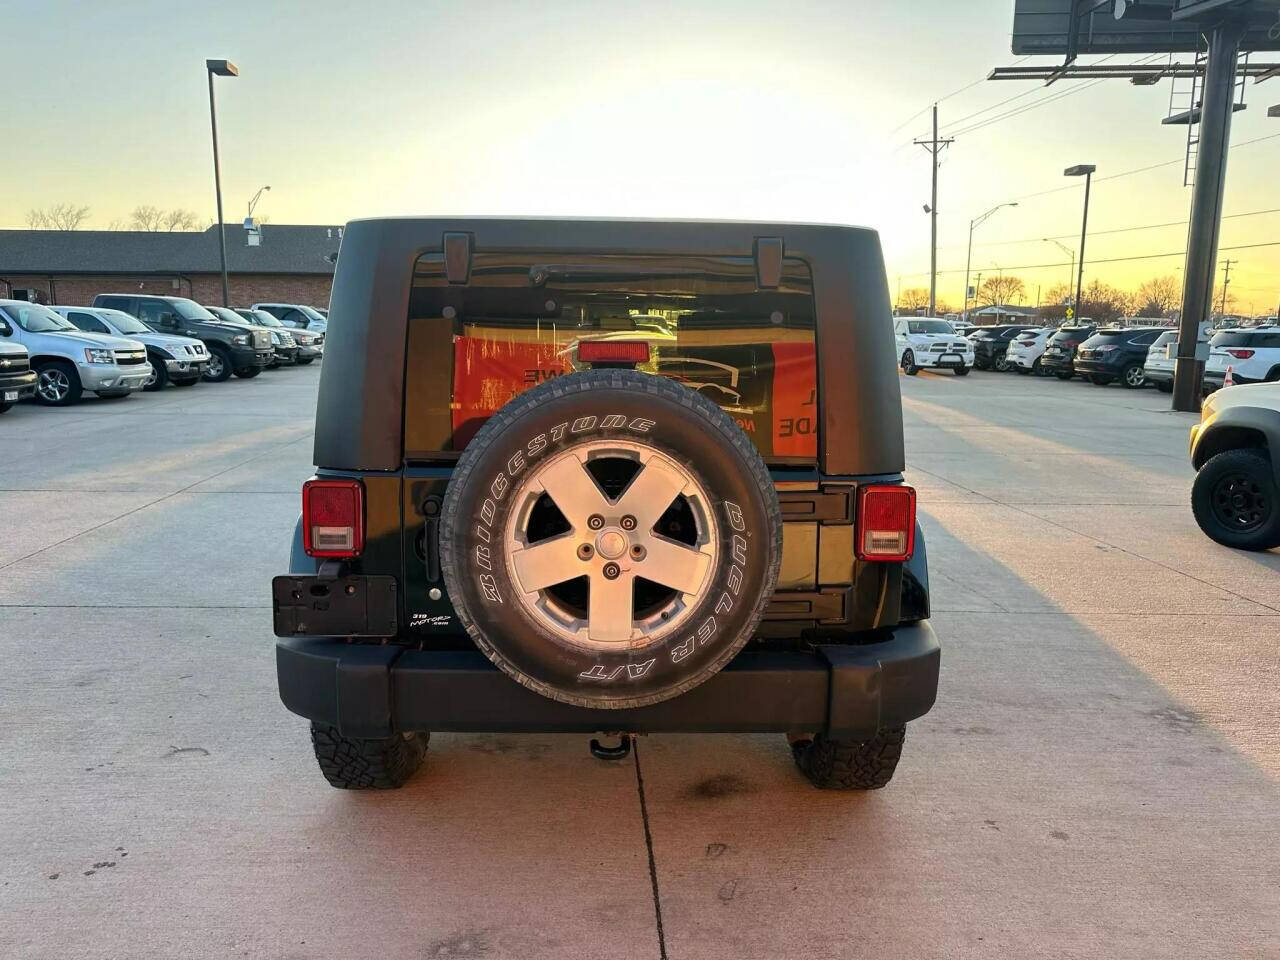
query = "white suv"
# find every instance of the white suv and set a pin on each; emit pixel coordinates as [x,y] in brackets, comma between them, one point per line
[931,342]
[1027,348]
[1253,356]
[296,315]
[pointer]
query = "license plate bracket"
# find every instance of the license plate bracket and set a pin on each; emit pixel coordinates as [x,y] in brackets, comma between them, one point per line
[10,396]
[348,606]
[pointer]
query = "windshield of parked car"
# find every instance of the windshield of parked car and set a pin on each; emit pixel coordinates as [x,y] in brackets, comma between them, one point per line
[190,310]
[930,326]
[125,323]
[309,313]
[35,318]
[263,319]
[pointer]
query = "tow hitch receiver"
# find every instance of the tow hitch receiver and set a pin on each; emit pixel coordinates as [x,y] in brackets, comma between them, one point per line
[619,752]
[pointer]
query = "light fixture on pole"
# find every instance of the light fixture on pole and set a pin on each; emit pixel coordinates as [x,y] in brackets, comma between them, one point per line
[1081,170]
[976,222]
[254,202]
[219,68]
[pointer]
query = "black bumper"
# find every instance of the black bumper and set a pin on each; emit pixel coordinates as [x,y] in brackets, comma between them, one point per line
[24,384]
[369,691]
[248,357]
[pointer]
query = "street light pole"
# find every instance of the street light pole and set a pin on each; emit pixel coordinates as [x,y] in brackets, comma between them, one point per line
[221,68]
[1069,252]
[976,222]
[254,201]
[1081,170]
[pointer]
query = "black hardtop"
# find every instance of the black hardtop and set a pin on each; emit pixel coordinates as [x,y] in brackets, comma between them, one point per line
[360,409]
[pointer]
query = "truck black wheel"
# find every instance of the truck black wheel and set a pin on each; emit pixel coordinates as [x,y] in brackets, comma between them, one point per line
[909,364]
[220,366]
[351,764]
[962,371]
[610,539]
[57,383]
[248,373]
[850,764]
[159,375]
[1236,501]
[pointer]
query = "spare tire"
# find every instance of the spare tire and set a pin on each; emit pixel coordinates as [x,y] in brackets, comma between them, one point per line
[610,539]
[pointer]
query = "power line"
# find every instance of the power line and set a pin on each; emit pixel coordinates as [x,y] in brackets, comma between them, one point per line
[1057,94]
[1098,233]
[953,93]
[1143,256]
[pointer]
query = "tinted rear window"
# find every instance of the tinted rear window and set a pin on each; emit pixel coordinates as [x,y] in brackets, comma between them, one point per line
[1231,338]
[520,318]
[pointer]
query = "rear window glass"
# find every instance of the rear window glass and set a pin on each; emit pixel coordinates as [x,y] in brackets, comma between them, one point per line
[520,318]
[1231,338]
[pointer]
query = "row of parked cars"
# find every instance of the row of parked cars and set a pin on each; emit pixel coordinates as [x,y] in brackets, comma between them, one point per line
[123,343]
[1133,356]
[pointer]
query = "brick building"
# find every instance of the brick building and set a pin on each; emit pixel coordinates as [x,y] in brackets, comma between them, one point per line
[290,264]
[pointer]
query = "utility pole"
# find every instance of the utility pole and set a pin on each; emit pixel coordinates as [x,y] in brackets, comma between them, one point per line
[1226,280]
[934,146]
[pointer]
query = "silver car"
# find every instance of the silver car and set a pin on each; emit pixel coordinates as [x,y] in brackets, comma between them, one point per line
[174,359]
[69,361]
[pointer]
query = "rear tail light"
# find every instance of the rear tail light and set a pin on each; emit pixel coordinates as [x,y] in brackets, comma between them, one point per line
[1241,354]
[333,518]
[613,351]
[886,528]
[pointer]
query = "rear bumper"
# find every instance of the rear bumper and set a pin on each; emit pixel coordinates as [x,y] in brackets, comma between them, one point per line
[1056,361]
[369,691]
[1101,368]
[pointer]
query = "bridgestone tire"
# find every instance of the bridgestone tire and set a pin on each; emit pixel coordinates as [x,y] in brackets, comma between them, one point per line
[547,429]
[351,764]
[850,764]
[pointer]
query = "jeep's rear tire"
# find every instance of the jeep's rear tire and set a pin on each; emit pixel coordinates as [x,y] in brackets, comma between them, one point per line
[610,539]
[351,764]
[850,764]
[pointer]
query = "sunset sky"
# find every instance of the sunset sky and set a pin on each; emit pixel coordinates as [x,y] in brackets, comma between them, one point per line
[738,110]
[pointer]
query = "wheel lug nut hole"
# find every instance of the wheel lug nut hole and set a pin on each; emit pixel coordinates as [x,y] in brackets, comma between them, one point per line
[637,551]
[585,551]
[595,521]
[628,522]
[611,571]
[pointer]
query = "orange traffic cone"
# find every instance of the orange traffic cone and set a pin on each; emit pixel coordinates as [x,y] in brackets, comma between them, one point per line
[1228,380]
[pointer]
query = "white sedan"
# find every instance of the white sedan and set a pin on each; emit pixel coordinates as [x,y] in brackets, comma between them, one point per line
[928,342]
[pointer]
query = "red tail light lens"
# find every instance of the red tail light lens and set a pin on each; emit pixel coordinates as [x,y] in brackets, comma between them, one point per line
[613,351]
[886,522]
[1241,354]
[333,518]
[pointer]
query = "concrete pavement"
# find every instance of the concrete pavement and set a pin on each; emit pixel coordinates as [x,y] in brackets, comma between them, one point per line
[1100,778]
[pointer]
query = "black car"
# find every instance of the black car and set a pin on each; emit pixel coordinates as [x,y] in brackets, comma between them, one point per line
[520,522]
[309,344]
[1060,353]
[991,344]
[1117,353]
[284,350]
[232,347]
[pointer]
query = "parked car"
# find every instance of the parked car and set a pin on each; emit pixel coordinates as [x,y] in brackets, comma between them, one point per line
[962,327]
[69,361]
[284,349]
[1026,349]
[174,359]
[1159,364]
[310,344]
[930,342]
[17,379]
[1117,353]
[296,315]
[1253,355]
[232,348]
[1060,352]
[1235,449]
[991,345]
[520,583]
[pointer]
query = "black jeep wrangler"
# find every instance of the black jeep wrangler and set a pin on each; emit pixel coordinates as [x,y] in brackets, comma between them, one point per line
[607,477]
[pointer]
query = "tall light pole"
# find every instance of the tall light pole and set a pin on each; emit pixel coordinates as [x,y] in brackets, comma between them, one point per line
[1081,170]
[254,201]
[220,68]
[976,222]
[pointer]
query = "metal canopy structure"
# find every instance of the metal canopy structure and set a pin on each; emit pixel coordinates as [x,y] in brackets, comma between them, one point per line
[1217,32]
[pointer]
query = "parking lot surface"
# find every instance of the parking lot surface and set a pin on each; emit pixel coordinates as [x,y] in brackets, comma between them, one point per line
[1100,777]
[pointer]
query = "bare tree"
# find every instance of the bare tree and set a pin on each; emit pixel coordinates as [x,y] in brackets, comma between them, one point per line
[913,298]
[60,216]
[1158,297]
[146,217]
[1001,289]
[177,219]
[116,224]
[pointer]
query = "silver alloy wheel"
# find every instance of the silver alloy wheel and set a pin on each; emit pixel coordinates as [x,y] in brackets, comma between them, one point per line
[214,370]
[151,380]
[612,542]
[1002,363]
[54,384]
[1135,376]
